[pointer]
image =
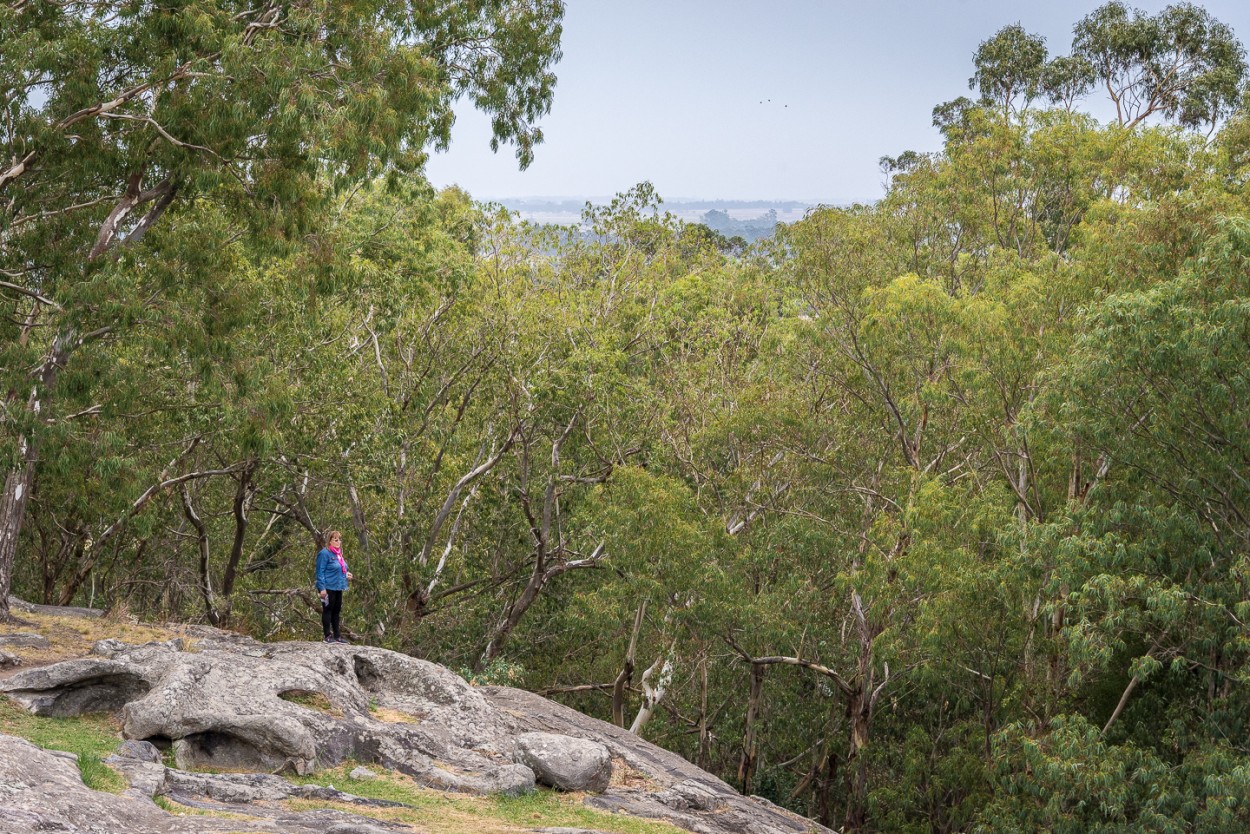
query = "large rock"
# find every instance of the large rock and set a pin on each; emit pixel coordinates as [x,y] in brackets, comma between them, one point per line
[676,792]
[75,687]
[41,791]
[236,704]
[564,762]
[23,640]
[142,751]
[25,607]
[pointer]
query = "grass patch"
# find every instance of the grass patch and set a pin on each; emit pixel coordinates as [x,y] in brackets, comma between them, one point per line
[552,808]
[458,814]
[90,737]
[311,700]
[393,716]
[74,636]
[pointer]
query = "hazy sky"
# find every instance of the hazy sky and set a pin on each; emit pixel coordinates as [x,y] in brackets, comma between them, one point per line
[753,99]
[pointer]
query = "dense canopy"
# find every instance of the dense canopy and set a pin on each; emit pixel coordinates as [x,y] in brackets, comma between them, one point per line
[925,515]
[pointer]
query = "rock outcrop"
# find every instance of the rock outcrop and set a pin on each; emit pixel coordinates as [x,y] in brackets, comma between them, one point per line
[564,762]
[676,790]
[235,704]
[231,703]
[41,791]
[23,640]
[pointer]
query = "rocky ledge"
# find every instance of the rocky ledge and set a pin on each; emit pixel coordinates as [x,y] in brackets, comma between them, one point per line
[235,704]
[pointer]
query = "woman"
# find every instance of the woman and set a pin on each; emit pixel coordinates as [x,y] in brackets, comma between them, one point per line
[332,577]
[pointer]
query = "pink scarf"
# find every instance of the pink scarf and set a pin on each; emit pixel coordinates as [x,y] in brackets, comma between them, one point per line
[339,555]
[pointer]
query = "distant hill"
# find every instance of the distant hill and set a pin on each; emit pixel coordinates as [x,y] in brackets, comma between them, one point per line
[748,219]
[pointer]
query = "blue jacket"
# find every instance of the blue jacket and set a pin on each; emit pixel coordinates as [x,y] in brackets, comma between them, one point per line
[330,576]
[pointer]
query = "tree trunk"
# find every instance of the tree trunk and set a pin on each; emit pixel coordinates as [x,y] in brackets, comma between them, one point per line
[21,478]
[503,629]
[17,484]
[746,767]
[824,812]
[653,694]
[358,522]
[201,538]
[858,712]
[626,676]
[242,504]
[705,735]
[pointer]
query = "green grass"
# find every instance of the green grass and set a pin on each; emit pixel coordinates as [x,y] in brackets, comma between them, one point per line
[91,737]
[558,810]
[459,814]
[311,700]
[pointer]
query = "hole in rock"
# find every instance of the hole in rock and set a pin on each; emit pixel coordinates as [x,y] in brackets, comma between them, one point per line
[215,749]
[106,693]
[162,743]
[368,675]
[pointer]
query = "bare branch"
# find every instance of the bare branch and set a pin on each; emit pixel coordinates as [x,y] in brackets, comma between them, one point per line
[29,293]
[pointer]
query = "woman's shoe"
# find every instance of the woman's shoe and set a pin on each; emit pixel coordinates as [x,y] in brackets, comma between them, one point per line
[341,640]
[330,639]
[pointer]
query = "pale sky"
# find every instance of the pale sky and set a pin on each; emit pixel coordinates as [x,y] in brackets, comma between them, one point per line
[753,99]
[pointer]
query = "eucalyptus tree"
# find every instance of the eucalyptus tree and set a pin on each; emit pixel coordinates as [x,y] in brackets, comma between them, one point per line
[1009,68]
[1154,555]
[121,120]
[1181,63]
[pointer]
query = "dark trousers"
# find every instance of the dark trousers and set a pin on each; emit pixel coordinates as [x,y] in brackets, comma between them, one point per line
[330,613]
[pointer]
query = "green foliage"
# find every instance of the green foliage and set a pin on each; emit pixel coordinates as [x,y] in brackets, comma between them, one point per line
[957,478]
[498,672]
[1182,62]
[1009,64]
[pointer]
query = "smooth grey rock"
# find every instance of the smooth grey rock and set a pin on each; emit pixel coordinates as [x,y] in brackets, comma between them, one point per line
[75,687]
[53,610]
[230,787]
[237,704]
[7,660]
[24,640]
[684,795]
[223,708]
[108,647]
[691,795]
[41,792]
[362,774]
[142,751]
[147,779]
[355,828]
[564,762]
